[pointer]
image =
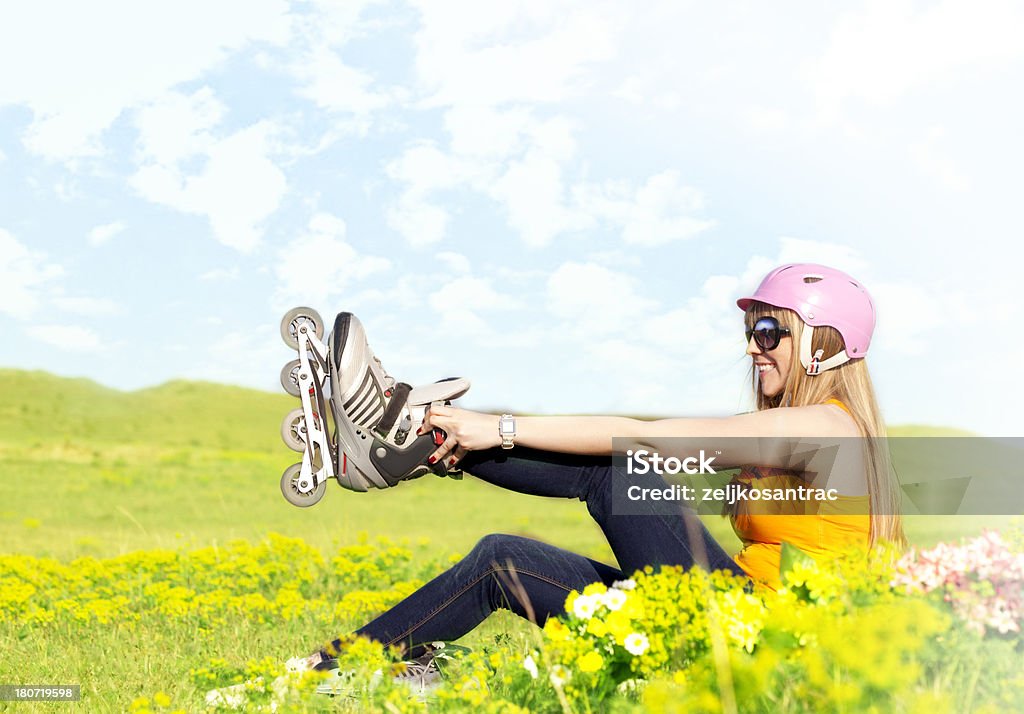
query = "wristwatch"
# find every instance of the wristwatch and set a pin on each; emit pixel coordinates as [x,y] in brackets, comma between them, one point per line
[507,430]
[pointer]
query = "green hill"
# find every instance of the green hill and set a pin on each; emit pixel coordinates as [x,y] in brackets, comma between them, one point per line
[41,408]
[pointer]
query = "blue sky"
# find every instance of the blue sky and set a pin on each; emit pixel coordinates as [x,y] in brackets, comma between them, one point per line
[559,200]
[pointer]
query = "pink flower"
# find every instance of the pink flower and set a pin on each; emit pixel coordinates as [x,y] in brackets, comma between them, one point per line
[982,579]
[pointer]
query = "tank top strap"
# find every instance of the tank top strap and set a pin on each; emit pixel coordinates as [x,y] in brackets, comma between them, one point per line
[840,405]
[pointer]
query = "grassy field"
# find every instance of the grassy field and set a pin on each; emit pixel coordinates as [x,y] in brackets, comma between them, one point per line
[89,471]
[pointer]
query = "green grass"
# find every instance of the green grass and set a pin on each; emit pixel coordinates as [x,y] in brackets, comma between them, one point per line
[87,470]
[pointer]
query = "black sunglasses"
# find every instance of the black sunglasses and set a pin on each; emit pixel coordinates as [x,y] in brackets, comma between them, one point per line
[767,333]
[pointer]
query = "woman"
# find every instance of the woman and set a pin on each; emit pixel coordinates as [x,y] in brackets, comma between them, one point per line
[808,331]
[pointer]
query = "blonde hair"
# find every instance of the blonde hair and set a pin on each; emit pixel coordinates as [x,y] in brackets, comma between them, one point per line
[851,384]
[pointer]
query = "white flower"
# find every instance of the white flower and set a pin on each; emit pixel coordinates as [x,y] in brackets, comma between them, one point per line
[530,666]
[437,645]
[584,606]
[631,685]
[624,584]
[614,599]
[297,664]
[636,643]
[560,675]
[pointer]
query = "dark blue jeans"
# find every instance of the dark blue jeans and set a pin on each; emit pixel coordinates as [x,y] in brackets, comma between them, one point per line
[532,578]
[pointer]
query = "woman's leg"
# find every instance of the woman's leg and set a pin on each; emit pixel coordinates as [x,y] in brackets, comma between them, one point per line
[657,535]
[459,599]
[528,577]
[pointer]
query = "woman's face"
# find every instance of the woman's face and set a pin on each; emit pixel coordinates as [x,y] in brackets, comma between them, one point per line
[772,366]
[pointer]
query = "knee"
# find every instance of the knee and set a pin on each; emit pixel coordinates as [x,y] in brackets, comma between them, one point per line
[497,548]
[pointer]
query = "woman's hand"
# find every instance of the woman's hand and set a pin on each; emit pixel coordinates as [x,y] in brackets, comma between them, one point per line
[467,431]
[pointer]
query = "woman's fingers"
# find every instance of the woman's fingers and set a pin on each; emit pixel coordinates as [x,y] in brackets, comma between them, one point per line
[456,456]
[443,450]
[435,416]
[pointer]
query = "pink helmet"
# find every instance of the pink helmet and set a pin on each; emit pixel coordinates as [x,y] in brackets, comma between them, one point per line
[821,296]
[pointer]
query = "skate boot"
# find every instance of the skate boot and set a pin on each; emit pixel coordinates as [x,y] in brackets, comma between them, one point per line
[373,443]
[421,675]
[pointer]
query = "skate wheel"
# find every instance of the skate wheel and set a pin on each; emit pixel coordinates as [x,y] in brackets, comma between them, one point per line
[290,491]
[292,429]
[295,318]
[290,377]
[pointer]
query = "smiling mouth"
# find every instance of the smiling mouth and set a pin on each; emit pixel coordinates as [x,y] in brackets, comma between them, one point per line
[762,368]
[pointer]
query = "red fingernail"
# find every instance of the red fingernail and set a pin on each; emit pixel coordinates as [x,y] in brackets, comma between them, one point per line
[451,461]
[431,460]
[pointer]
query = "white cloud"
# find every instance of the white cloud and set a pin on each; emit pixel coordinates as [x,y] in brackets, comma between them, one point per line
[238,188]
[487,132]
[177,126]
[931,156]
[647,354]
[239,357]
[656,213]
[419,221]
[880,52]
[595,300]
[632,89]
[88,306]
[512,158]
[70,338]
[220,274]
[766,120]
[321,264]
[79,69]
[455,262]
[905,312]
[533,193]
[521,162]
[102,234]
[459,302]
[336,86]
[423,170]
[486,54]
[25,276]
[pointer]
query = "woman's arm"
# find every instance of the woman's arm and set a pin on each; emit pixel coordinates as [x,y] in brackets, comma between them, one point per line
[471,431]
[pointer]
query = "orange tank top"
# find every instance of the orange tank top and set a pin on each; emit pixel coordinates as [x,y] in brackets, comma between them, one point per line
[819,529]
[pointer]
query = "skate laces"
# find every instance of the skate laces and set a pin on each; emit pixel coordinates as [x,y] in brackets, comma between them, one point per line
[389,380]
[422,670]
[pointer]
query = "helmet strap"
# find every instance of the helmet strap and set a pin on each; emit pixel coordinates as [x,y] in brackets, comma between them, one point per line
[813,363]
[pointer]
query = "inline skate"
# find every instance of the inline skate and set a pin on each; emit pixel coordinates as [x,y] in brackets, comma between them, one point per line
[357,424]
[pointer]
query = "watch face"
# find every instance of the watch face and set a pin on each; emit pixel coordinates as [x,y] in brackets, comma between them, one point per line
[508,426]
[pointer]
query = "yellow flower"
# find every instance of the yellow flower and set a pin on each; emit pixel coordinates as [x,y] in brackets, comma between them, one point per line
[556,630]
[619,625]
[590,662]
[596,627]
